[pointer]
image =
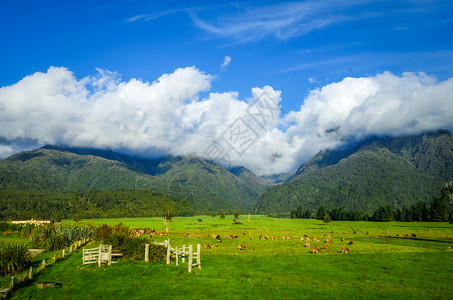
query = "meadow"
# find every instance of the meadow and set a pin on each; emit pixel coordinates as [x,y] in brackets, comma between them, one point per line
[417,264]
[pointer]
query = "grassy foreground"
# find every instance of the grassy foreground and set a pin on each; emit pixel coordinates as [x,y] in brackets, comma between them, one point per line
[379,265]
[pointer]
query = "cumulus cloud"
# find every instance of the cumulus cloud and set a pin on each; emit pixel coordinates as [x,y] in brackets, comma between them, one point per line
[169,116]
[226,62]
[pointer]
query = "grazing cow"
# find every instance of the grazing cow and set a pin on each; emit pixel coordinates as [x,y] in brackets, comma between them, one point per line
[367,233]
[214,246]
[315,251]
[344,250]
[316,239]
[325,246]
[288,238]
[302,238]
[307,245]
[351,243]
[251,237]
[414,235]
[307,239]
[342,239]
[328,241]
[241,247]
[207,246]
[398,235]
[265,237]
[272,238]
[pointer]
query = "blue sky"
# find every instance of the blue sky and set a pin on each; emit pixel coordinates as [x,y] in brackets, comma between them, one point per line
[302,50]
[292,46]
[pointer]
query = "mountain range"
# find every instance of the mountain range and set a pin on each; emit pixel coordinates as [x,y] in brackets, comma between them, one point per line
[360,176]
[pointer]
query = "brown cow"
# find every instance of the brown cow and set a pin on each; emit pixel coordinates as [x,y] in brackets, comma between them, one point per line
[328,241]
[344,250]
[316,239]
[241,247]
[207,246]
[307,245]
[351,243]
[325,247]
[315,251]
[307,239]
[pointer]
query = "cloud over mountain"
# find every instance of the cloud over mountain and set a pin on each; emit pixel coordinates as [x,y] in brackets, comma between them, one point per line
[169,115]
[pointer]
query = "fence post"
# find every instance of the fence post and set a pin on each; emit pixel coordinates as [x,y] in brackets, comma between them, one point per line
[183,253]
[110,255]
[190,259]
[43,264]
[198,256]
[100,255]
[30,273]
[11,285]
[168,254]
[146,252]
[62,253]
[177,255]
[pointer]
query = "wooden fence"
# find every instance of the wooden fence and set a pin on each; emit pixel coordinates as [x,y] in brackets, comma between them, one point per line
[29,274]
[100,255]
[184,252]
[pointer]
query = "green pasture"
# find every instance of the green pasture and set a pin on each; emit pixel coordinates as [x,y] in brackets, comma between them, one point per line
[379,265]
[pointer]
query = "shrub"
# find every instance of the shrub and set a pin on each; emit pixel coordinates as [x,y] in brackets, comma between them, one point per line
[103,232]
[14,258]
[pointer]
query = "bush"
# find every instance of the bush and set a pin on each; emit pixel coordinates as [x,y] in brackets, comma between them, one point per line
[133,248]
[103,232]
[14,258]
[60,236]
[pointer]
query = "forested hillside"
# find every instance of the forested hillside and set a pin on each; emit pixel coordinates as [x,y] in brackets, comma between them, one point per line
[205,185]
[397,171]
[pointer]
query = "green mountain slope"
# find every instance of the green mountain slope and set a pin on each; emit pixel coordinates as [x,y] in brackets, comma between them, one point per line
[205,185]
[46,169]
[398,171]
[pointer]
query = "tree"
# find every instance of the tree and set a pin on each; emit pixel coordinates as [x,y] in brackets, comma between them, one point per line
[168,215]
[384,213]
[441,206]
[299,212]
[326,218]
[222,215]
[320,213]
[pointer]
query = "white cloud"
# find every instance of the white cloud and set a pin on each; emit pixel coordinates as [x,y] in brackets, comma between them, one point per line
[168,116]
[226,62]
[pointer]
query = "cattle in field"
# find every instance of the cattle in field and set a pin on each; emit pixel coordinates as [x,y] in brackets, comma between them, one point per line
[414,235]
[315,251]
[207,246]
[342,239]
[251,237]
[316,239]
[302,238]
[351,243]
[325,247]
[307,245]
[328,241]
[241,247]
[307,239]
[344,250]
[272,238]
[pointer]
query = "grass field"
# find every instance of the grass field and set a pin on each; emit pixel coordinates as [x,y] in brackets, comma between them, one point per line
[379,265]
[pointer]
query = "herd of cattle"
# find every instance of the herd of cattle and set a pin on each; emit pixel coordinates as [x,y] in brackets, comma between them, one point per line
[304,238]
[315,249]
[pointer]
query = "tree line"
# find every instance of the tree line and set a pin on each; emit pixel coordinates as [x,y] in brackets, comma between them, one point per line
[76,205]
[439,209]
